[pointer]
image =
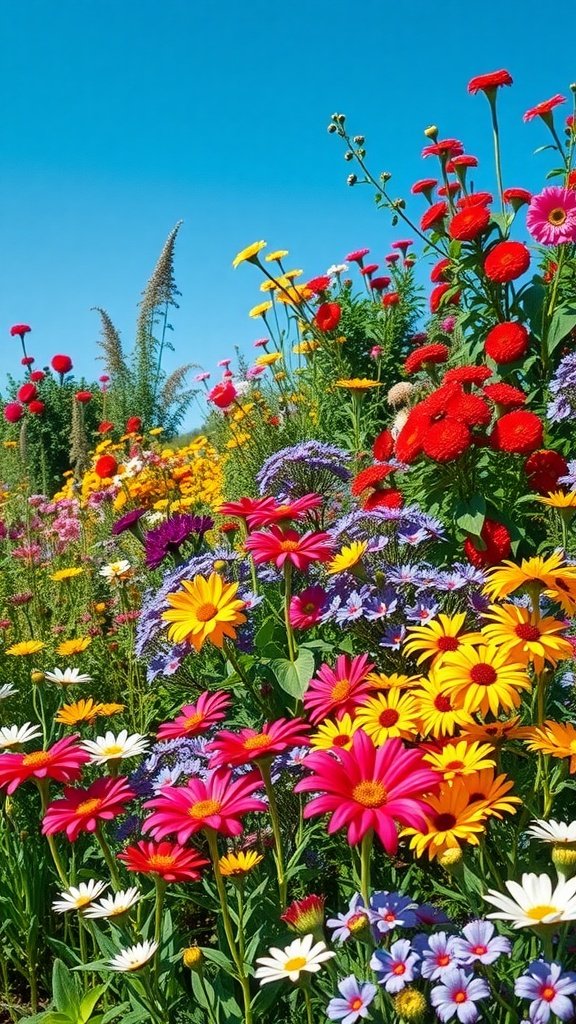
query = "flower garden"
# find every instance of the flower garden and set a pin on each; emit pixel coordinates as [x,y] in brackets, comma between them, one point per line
[288,706]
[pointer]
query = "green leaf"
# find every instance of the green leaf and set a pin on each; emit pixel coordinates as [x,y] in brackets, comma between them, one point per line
[294,676]
[89,1001]
[65,990]
[470,515]
[219,958]
[563,321]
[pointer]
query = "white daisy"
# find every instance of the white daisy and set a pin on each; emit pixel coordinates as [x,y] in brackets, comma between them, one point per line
[303,954]
[534,902]
[15,735]
[68,677]
[7,690]
[337,268]
[78,896]
[552,831]
[113,906]
[115,748]
[116,570]
[134,957]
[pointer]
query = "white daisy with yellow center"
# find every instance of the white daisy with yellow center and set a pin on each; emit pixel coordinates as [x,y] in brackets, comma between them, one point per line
[303,954]
[115,748]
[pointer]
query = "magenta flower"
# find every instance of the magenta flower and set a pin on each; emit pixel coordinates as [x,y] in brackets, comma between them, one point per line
[280,546]
[217,803]
[306,608]
[551,216]
[339,689]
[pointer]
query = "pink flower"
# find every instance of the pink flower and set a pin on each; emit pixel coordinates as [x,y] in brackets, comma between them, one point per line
[357,256]
[270,511]
[196,718]
[376,351]
[62,762]
[369,789]
[237,748]
[551,216]
[280,546]
[338,689]
[13,412]
[306,608]
[217,803]
[80,810]
[403,244]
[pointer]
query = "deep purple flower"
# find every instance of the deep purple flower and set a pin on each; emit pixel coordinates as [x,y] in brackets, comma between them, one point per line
[127,521]
[457,995]
[439,956]
[381,605]
[549,989]
[355,923]
[356,998]
[169,537]
[394,637]
[389,910]
[428,914]
[480,943]
[396,966]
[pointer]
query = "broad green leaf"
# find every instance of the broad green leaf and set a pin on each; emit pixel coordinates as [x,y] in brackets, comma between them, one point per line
[89,1001]
[563,321]
[294,676]
[470,515]
[65,990]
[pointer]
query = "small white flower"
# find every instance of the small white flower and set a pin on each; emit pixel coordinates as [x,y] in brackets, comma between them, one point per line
[15,735]
[303,954]
[7,690]
[68,677]
[113,906]
[552,831]
[534,902]
[116,570]
[77,897]
[134,957]
[115,748]
[153,518]
[337,268]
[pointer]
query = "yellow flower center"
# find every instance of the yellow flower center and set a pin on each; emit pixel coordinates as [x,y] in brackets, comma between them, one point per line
[296,963]
[206,611]
[557,216]
[258,742]
[399,969]
[112,750]
[369,793]
[356,1004]
[289,545]
[548,993]
[159,860]
[89,806]
[204,808]
[540,911]
[357,922]
[82,901]
[341,690]
[36,759]
[192,720]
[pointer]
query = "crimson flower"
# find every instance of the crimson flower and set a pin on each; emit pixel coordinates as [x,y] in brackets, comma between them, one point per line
[37,408]
[223,394]
[133,425]
[489,82]
[424,356]
[506,261]
[378,284]
[196,718]
[439,271]
[357,256]
[61,364]
[20,330]
[237,748]
[444,149]
[318,284]
[507,396]
[244,507]
[83,397]
[328,316]
[424,187]
[506,342]
[27,393]
[434,217]
[368,789]
[497,546]
[217,803]
[543,467]
[80,810]
[170,861]
[105,467]
[338,690]
[516,197]
[306,915]
[383,446]
[519,432]
[464,160]
[469,223]
[36,376]
[280,546]
[105,426]
[62,762]
[544,109]
[27,360]
[13,412]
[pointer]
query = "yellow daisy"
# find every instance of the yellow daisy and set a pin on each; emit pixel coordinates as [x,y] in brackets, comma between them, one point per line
[555,738]
[551,575]
[526,637]
[260,310]
[278,254]
[106,710]
[295,295]
[491,792]
[268,359]
[560,500]
[439,637]
[388,714]
[66,574]
[392,680]
[305,348]
[335,735]
[268,286]
[461,758]
[451,820]
[69,647]
[25,647]
[485,678]
[440,712]
[234,865]
[348,557]
[494,733]
[249,254]
[291,275]
[204,609]
[357,384]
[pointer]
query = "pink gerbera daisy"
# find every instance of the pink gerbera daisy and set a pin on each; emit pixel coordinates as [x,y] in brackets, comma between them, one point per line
[369,789]
[280,546]
[338,690]
[80,810]
[237,748]
[270,511]
[216,803]
[551,216]
[306,608]
[62,762]
[196,718]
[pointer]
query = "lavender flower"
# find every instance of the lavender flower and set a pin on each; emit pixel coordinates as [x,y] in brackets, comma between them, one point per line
[354,923]
[480,944]
[389,910]
[549,989]
[570,478]
[563,389]
[381,605]
[396,966]
[457,996]
[356,998]
[310,466]
[394,637]
[439,956]
[422,611]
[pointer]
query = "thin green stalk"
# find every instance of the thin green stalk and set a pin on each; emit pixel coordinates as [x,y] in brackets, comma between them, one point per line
[227,923]
[497,154]
[264,767]
[292,652]
[43,790]
[108,857]
[308,1002]
[365,851]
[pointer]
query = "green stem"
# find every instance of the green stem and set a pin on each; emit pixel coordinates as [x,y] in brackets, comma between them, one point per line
[264,767]
[227,923]
[287,598]
[108,857]
[308,1002]
[43,790]
[160,885]
[497,155]
[365,852]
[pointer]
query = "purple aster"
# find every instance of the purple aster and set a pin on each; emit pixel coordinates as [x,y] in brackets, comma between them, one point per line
[480,943]
[127,521]
[356,998]
[402,574]
[428,914]
[412,535]
[311,466]
[394,637]
[396,966]
[355,923]
[381,605]
[563,388]
[353,607]
[127,829]
[478,602]
[570,478]
[549,989]
[457,996]
[169,537]
[422,611]
[439,956]
[427,577]
[470,573]
[450,581]
[389,910]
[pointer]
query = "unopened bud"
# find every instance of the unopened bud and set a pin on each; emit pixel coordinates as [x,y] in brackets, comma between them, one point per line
[351,179]
[398,204]
[348,155]
[192,957]
[331,128]
[564,859]
[431,132]
[340,118]
[359,140]
[450,859]
[385,176]
[573,87]
[37,676]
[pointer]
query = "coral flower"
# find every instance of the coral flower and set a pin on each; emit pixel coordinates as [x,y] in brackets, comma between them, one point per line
[217,803]
[171,862]
[450,820]
[339,689]
[485,677]
[244,508]
[555,738]
[328,316]
[506,261]
[237,748]
[61,762]
[469,223]
[551,216]
[196,718]
[204,610]
[281,546]
[489,82]
[424,356]
[388,714]
[307,607]
[369,789]
[80,810]
[526,638]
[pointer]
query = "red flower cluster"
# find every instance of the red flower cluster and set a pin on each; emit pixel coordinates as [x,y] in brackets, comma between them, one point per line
[543,467]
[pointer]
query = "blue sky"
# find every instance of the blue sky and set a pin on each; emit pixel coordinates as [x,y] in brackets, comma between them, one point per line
[121,117]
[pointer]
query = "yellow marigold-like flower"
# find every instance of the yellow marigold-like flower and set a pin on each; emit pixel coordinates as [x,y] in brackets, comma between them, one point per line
[393,680]
[559,500]
[204,609]
[10,444]
[438,638]
[461,758]
[494,733]
[410,1005]
[260,310]
[451,820]
[335,735]
[390,713]
[280,375]
[66,574]
[551,575]
[555,738]
[491,792]
[192,958]
[80,711]
[291,275]
[485,678]
[357,384]
[107,710]
[278,254]
[249,254]
[268,286]
[441,713]
[348,557]
[238,440]
[294,295]
[155,431]
[69,647]
[234,865]
[305,348]
[25,647]
[268,359]
[526,637]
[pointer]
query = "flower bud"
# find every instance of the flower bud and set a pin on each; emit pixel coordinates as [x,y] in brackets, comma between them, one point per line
[331,128]
[193,957]
[385,176]
[348,155]
[451,859]
[351,179]
[431,132]
[37,676]
[359,140]
[305,915]
[564,859]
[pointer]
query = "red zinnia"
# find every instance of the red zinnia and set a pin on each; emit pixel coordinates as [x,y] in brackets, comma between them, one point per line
[465,160]
[543,467]
[36,376]
[328,316]
[470,409]
[446,440]
[36,408]
[368,789]
[506,342]
[20,329]
[233,749]
[545,108]
[338,690]
[196,718]
[27,393]
[519,432]
[369,269]
[370,477]
[444,148]
[496,539]
[474,199]
[27,360]
[357,256]
[438,272]
[281,546]
[217,803]
[392,299]
[81,810]
[451,189]
[466,375]
[61,364]
[505,395]
[425,185]
[83,397]
[516,197]
[439,293]
[492,80]
[469,223]
[62,762]
[383,446]
[378,284]
[105,426]
[13,412]
[425,354]
[223,394]
[319,284]
[410,438]
[106,467]
[133,425]
[434,216]
[170,861]
[506,261]
[383,497]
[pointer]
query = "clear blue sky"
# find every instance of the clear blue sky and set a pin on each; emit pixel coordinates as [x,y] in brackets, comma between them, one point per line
[120,117]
